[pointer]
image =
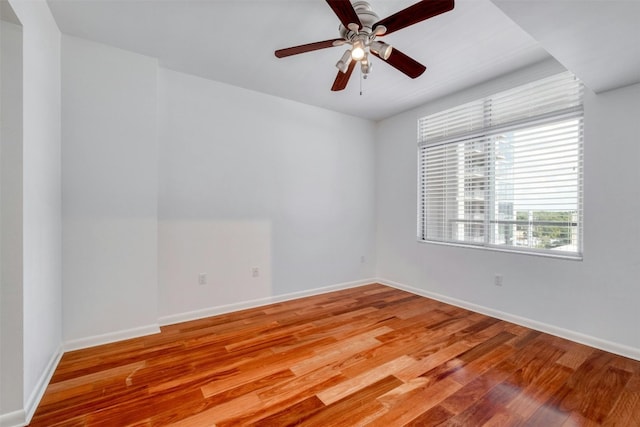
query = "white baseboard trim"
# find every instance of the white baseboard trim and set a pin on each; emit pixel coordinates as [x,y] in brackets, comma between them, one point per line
[23,417]
[612,347]
[13,419]
[41,386]
[228,308]
[110,337]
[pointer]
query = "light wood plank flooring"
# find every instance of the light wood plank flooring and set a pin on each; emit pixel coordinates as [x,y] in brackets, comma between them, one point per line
[371,355]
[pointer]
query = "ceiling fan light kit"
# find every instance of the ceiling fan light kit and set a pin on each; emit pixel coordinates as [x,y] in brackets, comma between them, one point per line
[381,49]
[344,62]
[359,28]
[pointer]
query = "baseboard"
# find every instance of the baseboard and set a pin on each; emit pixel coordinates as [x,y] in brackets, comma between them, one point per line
[228,308]
[110,337]
[13,419]
[612,347]
[41,386]
[23,417]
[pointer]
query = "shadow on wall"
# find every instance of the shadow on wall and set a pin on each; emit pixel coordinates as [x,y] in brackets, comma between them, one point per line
[205,264]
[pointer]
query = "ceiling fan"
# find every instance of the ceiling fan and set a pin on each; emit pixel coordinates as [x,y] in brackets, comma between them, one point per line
[359,29]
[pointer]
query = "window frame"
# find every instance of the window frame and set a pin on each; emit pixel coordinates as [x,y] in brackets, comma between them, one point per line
[487,131]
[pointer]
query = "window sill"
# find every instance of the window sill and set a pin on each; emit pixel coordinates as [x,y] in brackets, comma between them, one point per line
[568,256]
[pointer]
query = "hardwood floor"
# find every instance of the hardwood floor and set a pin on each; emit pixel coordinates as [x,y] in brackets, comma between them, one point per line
[371,355]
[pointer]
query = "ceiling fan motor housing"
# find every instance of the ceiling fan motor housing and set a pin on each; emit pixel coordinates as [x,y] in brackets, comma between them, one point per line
[367,18]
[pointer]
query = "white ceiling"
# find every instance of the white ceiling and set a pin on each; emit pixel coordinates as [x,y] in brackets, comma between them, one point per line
[233,41]
[7,14]
[599,40]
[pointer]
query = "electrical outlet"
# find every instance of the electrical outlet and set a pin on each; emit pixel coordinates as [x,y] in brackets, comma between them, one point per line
[202,279]
[498,280]
[255,272]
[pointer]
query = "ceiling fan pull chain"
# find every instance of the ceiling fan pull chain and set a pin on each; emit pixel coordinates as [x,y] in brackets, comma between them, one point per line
[361,81]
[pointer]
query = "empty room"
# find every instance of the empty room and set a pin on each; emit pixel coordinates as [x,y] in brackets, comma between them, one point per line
[319,213]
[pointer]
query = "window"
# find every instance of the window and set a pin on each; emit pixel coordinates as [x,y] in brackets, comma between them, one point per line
[505,172]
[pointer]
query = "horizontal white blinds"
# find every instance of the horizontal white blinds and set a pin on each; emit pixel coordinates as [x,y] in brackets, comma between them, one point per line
[516,180]
[549,95]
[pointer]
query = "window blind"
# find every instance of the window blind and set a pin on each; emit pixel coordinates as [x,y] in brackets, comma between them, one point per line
[506,171]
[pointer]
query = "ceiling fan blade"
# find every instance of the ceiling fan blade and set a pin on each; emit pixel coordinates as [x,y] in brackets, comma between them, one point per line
[343,78]
[345,12]
[413,14]
[281,53]
[404,63]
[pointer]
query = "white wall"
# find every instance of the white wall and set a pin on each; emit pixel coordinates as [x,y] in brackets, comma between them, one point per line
[596,297]
[109,161]
[242,180]
[11,321]
[250,180]
[40,329]
[41,184]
